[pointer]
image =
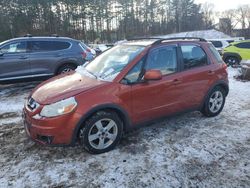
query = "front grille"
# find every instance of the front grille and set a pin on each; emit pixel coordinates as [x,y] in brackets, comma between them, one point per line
[32,104]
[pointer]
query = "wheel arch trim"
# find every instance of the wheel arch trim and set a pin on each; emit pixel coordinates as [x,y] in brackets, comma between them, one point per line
[229,54]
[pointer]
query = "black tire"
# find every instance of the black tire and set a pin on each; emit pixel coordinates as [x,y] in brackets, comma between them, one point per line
[232,61]
[66,68]
[209,108]
[90,129]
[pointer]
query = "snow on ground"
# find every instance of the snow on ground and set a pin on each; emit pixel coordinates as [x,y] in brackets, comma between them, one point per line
[184,151]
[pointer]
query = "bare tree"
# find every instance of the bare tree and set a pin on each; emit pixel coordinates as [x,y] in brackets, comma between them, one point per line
[208,14]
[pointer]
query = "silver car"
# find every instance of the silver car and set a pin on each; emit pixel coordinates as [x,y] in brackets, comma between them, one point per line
[29,58]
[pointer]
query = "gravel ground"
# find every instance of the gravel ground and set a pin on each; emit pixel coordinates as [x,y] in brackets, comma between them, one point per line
[184,151]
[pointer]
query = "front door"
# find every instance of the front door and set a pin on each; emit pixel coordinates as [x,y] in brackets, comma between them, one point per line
[14,61]
[152,99]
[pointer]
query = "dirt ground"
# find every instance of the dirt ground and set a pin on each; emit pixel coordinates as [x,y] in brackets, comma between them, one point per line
[184,151]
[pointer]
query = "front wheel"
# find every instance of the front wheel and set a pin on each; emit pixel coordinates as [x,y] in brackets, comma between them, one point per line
[214,102]
[101,133]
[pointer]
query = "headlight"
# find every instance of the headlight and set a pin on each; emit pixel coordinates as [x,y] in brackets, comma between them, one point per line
[59,108]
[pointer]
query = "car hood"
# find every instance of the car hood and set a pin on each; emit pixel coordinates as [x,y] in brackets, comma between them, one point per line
[64,86]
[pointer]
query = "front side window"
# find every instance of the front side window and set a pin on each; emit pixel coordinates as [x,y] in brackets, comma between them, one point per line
[163,59]
[15,47]
[193,56]
[110,63]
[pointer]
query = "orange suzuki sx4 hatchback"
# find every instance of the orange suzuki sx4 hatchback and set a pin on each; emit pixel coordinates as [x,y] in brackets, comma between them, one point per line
[128,85]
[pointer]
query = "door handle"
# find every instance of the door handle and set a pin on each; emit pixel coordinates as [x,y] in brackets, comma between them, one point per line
[210,72]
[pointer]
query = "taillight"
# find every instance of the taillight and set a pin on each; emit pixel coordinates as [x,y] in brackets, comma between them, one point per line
[84,55]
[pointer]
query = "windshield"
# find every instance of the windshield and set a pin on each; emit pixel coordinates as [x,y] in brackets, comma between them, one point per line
[109,64]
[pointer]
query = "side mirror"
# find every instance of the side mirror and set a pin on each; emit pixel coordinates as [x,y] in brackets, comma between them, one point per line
[152,75]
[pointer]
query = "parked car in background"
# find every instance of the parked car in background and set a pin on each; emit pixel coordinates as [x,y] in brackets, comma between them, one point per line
[40,57]
[132,83]
[219,44]
[237,52]
[100,48]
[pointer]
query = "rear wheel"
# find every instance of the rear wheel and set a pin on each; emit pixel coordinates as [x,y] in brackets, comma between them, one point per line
[66,68]
[232,61]
[214,102]
[101,133]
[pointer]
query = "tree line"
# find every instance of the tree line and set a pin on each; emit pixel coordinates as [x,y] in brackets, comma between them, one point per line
[100,20]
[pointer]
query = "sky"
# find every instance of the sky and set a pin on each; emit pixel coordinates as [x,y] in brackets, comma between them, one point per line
[221,5]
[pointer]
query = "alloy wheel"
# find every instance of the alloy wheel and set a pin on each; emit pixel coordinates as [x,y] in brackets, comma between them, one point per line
[103,133]
[216,101]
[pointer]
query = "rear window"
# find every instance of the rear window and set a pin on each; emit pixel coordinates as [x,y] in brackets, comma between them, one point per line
[41,46]
[215,53]
[217,44]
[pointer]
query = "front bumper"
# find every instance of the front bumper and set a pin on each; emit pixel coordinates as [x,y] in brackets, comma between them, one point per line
[51,131]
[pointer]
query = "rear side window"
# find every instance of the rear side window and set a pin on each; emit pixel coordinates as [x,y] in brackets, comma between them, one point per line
[217,44]
[216,54]
[193,56]
[243,45]
[163,59]
[42,46]
[15,47]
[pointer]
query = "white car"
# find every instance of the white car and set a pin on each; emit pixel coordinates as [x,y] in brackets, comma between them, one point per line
[219,44]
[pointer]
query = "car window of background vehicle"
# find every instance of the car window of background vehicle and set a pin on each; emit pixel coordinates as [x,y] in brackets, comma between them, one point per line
[243,45]
[15,47]
[217,44]
[41,46]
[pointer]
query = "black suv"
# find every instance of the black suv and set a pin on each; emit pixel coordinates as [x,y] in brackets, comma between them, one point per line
[40,57]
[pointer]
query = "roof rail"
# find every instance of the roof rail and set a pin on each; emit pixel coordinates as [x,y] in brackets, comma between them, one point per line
[27,35]
[160,40]
[188,38]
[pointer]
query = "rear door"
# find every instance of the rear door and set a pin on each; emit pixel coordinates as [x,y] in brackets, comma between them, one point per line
[14,61]
[46,55]
[198,73]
